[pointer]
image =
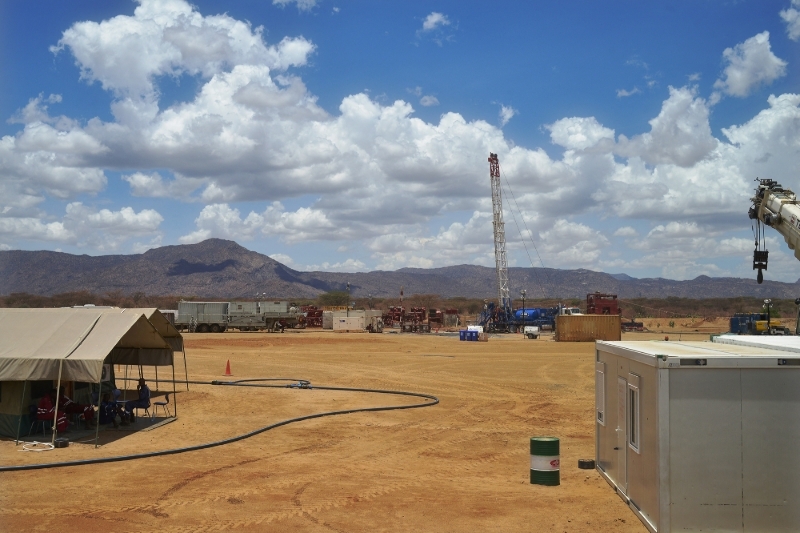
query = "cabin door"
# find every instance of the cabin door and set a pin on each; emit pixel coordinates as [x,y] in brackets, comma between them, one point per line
[622,435]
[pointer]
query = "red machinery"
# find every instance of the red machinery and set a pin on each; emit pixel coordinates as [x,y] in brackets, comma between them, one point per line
[436,316]
[413,320]
[632,326]
[602,304]
[393,317]
[313,316]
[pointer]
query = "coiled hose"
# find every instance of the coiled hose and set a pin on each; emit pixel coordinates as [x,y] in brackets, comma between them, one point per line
[296,384]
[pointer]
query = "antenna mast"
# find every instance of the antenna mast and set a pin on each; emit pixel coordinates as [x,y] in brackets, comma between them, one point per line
[503,297]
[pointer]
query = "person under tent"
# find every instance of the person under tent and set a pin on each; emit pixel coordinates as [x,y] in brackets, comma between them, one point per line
[46,408]
[109,411]
[142,402]
[66,405]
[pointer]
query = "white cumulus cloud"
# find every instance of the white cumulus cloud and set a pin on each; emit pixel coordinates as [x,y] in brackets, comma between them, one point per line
[622,93]
[579,133]
[750,65]
[428,101]
[302,5]
[506,114]
[679,135]
[126,53]
[792,18]
[435,20]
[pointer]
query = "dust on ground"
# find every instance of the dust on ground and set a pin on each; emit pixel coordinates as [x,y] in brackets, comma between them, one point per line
[462,465]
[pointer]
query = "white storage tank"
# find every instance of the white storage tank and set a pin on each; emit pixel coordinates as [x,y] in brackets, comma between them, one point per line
[700,436]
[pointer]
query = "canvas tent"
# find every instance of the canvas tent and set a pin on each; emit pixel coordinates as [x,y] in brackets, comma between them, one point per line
[45,345]
[162,325]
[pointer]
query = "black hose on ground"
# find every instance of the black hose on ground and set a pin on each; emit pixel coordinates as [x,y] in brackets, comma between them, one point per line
[296,383]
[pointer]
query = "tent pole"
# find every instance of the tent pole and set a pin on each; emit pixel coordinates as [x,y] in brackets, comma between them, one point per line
[99,391]
[185,369]
[21,404]
[156,367]
[55,409]
[174,398]
[125,393]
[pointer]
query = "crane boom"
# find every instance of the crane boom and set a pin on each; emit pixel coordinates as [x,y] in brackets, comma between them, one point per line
[777,208]
[501,262]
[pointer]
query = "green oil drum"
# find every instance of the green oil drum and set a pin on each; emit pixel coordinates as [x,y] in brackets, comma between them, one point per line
[545,461]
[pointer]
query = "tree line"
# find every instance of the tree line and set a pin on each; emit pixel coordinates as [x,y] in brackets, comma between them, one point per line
[631,308]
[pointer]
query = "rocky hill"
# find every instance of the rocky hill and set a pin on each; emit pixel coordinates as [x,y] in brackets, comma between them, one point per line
[224,269]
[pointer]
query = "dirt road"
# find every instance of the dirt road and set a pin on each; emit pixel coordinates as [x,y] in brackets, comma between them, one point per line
[462,465]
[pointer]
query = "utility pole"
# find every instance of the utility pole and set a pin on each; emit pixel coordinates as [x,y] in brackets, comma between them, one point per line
[524,313]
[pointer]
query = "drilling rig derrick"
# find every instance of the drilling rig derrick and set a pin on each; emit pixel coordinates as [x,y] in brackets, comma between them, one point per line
[500,318]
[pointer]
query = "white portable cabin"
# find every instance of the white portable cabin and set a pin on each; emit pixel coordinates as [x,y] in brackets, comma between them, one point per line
[700,436]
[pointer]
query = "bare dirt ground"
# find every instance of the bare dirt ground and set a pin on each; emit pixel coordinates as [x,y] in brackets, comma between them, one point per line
[462,465]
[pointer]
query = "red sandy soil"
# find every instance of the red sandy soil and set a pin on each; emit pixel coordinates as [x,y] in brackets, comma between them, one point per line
[462,465]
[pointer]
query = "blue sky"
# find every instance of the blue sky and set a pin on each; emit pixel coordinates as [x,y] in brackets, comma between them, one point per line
[354,135]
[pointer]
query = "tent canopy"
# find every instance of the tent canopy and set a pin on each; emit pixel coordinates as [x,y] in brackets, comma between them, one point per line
[34,343]
[163,326]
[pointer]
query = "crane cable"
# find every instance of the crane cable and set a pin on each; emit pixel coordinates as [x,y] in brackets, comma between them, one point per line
[522,237]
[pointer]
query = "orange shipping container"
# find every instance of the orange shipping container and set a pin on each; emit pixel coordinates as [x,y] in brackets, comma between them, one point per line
[586,328]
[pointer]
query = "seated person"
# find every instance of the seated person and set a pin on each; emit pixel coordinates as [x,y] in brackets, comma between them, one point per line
[69,407]
[142,402]
[109,411]
[46,408]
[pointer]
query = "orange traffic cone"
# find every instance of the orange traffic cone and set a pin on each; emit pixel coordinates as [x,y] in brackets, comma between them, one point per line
[228,368]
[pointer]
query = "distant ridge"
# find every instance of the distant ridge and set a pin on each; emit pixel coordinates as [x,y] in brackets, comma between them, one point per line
[223,269]
[621,277]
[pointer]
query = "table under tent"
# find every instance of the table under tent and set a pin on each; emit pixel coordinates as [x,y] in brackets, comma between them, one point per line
[42,348]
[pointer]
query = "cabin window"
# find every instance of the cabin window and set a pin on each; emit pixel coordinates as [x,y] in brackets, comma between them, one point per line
[600,392]
[634,413]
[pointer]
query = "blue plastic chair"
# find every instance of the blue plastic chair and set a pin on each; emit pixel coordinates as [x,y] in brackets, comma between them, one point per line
[32,410]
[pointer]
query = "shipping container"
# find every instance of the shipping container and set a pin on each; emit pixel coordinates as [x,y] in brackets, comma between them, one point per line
[584,328]
[700,436]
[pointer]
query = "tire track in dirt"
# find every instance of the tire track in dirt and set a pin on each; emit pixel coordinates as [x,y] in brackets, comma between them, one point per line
[200,475]
[296,511]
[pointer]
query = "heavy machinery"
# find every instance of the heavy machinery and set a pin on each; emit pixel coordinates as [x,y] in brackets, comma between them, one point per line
[500,317]
[777,208]
[756,324]
[599,303]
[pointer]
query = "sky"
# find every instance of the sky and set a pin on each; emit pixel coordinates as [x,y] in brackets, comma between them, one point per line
[354,135]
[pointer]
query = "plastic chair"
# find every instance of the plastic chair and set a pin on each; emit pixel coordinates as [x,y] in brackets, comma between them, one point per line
[32,410]
[164,405]
[146,411]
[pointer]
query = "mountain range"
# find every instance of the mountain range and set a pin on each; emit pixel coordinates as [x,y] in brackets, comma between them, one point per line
[217,268]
